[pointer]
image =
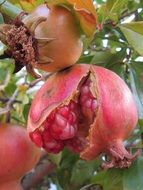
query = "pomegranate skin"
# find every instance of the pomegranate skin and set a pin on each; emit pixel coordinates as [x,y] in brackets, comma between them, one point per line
[59,41]
[116,118]
[18,154]
[11,185]
[115,115]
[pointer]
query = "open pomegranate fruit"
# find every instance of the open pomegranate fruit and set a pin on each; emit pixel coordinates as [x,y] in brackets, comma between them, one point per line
[88,109]
[18,155]
[47,39]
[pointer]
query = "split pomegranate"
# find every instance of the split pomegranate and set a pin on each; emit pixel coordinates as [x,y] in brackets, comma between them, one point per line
[88,109]
[18,155]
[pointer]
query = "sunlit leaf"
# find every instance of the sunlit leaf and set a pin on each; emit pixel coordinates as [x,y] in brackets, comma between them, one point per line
[102,13]
[134,35]
[29,5]
[23,97]
[135,26]
[86,13]
[112,10]
[115,7]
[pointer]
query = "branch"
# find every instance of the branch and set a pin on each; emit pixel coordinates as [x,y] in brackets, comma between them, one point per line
[5,100]
[127,14]
[12,100]
[123,16]
[33,179]
[9,105]
[92,187]
[43,78]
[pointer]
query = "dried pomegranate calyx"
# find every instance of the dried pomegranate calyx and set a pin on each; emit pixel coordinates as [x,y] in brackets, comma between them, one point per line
[121,158]
[22,47]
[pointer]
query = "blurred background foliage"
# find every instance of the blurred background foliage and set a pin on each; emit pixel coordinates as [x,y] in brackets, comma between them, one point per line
[118,46]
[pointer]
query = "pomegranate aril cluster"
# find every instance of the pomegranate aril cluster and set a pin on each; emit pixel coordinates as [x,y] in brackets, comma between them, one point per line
[58,127]
[50,144]
[62,123]
[86,98]
[61,128]
[87,101]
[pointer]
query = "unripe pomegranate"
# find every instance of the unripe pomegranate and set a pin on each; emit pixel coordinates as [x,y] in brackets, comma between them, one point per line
[47,39]
[87,108]
[18,155]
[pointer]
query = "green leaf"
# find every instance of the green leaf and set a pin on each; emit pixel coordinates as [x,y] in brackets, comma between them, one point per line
[121,179]
[58,186]
[135,26]
[82,171]
[110,179]
[101,57]
[133,177]
[112,10]
[10,88]
[26,111]
[115,7]
[1,19]
[141,125]
[86,59]
[99,1]
[134,35]
[6,69]
[55,158]
[102,13]
[30,5]
[112,61]
[23,97]
[136,83]
[66,166]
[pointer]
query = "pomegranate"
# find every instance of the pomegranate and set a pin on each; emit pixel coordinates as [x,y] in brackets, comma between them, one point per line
[87,108]
[11,185]
[18,155]
[47,39]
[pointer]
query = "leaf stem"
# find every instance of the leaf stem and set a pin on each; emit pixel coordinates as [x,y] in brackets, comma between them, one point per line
[8,9]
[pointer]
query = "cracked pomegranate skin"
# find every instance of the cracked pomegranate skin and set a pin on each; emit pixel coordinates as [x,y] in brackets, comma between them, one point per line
[59,24]
[87,108]
[18,155]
